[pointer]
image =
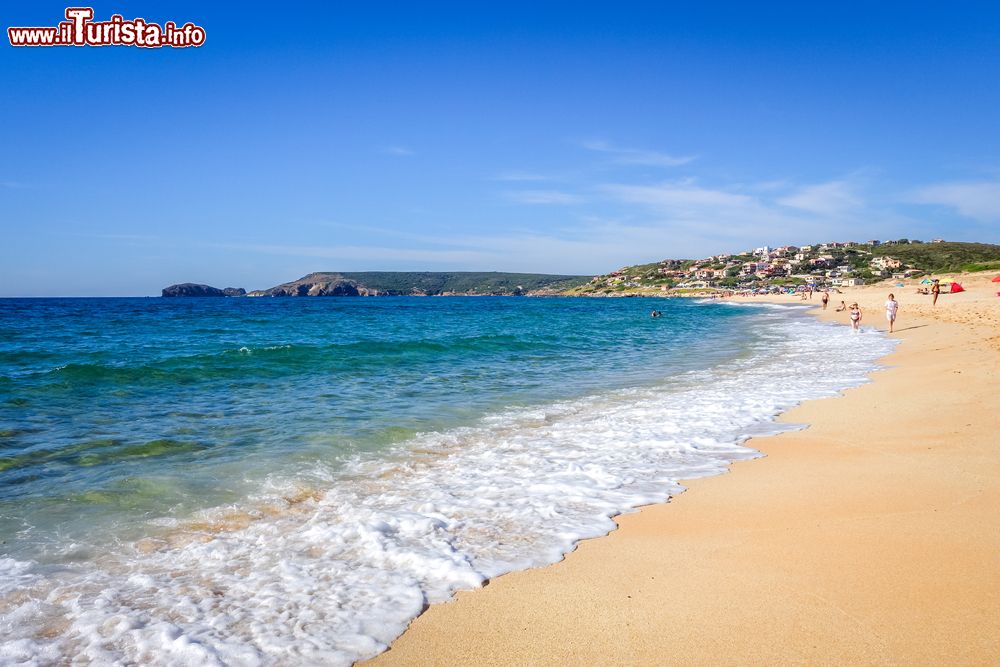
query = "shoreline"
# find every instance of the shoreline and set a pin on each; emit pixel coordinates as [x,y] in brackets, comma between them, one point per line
[871,536]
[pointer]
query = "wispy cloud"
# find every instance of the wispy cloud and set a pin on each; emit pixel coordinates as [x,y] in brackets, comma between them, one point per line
[122,237]
[727,215]
[519,176]
[979,200]
[600,226]
[350,255]
[680,198]
[399,151]
[834,198]
[543,197]
[622,223]
[767,186]
[636,156]
[13,185]
[592,245]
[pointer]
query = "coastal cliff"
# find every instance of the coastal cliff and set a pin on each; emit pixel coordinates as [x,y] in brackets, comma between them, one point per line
[401,283]
[316,284]
[422,283]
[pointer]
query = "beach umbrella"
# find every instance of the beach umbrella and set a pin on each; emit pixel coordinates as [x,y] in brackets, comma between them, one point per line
[996,279]
[955,287]
[925,281]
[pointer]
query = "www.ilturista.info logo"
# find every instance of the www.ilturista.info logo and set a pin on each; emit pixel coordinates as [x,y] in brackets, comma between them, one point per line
[79,29]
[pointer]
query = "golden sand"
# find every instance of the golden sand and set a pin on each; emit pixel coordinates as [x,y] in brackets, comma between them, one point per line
[872,537]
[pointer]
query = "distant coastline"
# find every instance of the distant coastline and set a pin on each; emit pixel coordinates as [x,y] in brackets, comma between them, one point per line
[403,283]
[780,269]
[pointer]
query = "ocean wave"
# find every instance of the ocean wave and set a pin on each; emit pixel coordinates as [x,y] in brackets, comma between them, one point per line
[765,305]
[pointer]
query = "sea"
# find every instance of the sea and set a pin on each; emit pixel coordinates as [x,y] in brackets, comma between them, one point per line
[250,481]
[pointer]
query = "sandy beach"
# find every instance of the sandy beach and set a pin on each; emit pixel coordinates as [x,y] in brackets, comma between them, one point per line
[871,537]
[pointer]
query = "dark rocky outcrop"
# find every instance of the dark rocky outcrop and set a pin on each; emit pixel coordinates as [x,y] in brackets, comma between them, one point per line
[317,284]
[194,289]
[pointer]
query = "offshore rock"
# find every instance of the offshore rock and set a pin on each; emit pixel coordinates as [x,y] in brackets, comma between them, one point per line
[194,289]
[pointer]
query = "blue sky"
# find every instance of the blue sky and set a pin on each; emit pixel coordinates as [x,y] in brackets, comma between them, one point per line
[558,138]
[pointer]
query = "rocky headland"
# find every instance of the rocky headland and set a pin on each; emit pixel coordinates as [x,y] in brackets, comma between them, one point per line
[197,290]
[402,283]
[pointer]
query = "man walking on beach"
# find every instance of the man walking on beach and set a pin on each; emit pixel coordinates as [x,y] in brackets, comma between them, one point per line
[891,306]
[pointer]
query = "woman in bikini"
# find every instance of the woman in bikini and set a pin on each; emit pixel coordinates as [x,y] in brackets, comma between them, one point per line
[855,317]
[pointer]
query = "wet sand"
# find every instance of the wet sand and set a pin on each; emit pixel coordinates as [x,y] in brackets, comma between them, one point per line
[872,537]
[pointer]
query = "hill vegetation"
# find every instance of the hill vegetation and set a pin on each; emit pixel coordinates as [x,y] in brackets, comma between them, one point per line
[436,282]
[948,256]
[423,283]
[821,265]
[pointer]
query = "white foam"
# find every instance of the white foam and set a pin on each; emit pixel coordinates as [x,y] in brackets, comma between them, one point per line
[765,304]
[335,577]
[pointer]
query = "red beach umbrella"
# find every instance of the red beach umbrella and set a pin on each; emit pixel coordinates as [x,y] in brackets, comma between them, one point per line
[996,279]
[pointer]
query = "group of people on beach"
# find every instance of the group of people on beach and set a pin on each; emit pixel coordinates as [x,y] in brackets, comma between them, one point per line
[855,314]
[854,310]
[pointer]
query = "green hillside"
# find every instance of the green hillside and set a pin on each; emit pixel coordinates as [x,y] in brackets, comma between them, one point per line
[436,282]
[947,256]
[824,264]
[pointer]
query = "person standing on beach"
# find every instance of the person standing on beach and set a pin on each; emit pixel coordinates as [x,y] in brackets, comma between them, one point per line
[891,306]
[935,290]
[826,299]
[855,317]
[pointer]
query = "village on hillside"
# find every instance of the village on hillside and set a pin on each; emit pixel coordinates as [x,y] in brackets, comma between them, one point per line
[823,265]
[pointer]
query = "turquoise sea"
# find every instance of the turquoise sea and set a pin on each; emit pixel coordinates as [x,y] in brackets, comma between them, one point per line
[265,481]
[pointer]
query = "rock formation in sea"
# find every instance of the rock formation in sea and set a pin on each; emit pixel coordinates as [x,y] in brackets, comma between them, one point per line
[194,289]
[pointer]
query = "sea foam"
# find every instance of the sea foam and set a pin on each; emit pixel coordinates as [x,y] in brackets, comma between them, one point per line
[330,567]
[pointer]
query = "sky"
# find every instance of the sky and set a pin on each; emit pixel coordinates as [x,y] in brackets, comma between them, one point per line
[566,138]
